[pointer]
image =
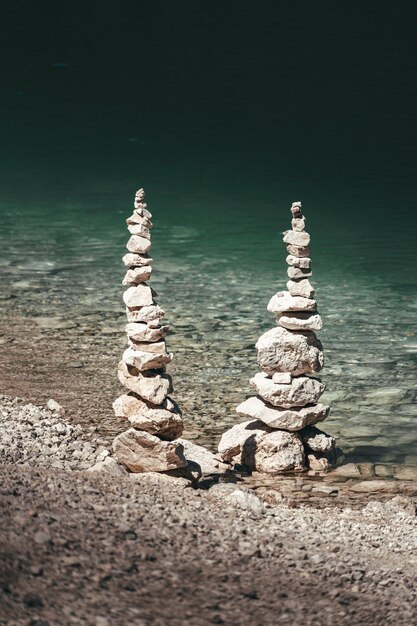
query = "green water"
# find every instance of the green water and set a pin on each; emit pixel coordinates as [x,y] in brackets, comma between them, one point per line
[225,113]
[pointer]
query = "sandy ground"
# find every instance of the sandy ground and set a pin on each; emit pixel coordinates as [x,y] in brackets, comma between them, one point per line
[78,549]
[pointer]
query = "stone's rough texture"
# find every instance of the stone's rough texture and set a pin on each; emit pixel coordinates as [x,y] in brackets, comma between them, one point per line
[137,275]
[301,287]
[148,314]
[257,447]
[108,466]
[138,296]
[144,360]
[301,391]
[153,386]
[296,238]
[280,350]
[138,244]
[199,455]
[136,260]
[298,223]
[283,301]
[139,331]
[298,272]
[298,320]
[281,378]
[288,356]
[316,440]
[141,452]
[301,251]
[155,419]
[296,261]
[291,419]
[138,219]
[139,229]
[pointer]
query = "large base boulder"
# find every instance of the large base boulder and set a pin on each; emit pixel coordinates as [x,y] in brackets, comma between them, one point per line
[142,452]
[258,447]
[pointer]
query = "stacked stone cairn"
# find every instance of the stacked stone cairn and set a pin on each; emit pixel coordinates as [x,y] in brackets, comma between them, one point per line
[155,419]
[281,435]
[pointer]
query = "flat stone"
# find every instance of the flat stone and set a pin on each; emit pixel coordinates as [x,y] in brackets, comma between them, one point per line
[257,447]
[156,347]
[406,472]
[136,260]
[298,272]
[282,378]
[387,395]
[138,296]
[148,314]
[316,440]
[349,470]
[137,218]
[139,331]
[298,223]
[283,301]
[372,486]
[207,461]
[301,287]
[144,360]
[300,251]
[297,320]
[137,275]
[151,385]
[151,418]
[301,391]
[296,238]
[139,229]
[295,261]
[287,419]
[142,452]
[280,350]
[138,244]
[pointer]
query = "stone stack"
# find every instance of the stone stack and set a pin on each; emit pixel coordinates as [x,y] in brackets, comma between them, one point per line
[149,445]
[281,435]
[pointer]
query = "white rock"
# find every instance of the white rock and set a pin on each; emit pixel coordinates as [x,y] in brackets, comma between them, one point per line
[108,466]
[138,244]
[137,218]
[142,452]
[137,275]
[207,461]
[256,446]
[297,320]
[298,272]
[138,296]
[298,223]
[296,209]
[157,347]
[145,360]
[54,406]
[280,350]
[296,238]
[139,331]
[296,261]
[300,251]
[139,229]
[156,420]
[283,301]
[287,419]
[282,378]
[316,440]
[318,462]
[148,314]
[301,391]
[301,287]
[246,500]
[136,260]
[152,386]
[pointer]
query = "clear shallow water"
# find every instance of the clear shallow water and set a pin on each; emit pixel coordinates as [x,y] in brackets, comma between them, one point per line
[216,267]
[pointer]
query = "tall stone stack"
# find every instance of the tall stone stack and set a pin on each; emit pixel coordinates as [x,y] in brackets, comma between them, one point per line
[281,435]
[155,419]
